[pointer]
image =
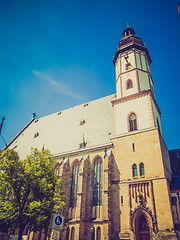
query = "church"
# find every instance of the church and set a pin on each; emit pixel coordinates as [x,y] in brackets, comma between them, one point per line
[112,157]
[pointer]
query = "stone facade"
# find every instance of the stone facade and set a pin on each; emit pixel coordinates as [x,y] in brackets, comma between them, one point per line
[112,157]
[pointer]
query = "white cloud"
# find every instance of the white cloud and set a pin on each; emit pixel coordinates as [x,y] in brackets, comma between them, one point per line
[57,87]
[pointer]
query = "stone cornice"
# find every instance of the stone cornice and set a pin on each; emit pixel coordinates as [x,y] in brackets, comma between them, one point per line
[141,180]
[137,95]
[84,150]
[134,132]
[129,46]
[130,97]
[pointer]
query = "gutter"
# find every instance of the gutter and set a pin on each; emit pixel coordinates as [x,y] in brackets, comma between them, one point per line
[27,125]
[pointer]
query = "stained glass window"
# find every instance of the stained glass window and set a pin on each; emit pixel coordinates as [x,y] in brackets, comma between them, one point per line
[97,182]
[72,233]
[98,233]
[74,184]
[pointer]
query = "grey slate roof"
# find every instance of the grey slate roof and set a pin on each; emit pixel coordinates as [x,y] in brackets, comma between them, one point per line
[62,132]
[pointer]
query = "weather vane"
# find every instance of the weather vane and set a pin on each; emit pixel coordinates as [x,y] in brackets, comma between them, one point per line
[34,115]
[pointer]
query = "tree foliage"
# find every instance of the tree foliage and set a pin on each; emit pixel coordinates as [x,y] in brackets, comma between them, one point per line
[30,190]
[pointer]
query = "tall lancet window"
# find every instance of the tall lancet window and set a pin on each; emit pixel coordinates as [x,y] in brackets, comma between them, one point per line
[97,182]
[74,184]
[132,122]
[98,233]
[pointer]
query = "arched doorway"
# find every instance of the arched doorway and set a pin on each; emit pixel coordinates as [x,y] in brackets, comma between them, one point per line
[142,228]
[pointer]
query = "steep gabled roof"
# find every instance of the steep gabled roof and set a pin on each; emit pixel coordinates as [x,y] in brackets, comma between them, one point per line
[86,125]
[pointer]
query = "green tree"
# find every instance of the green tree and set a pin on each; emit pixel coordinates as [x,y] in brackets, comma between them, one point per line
[30,190]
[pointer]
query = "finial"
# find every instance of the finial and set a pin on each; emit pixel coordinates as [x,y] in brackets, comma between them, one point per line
[43,148]
[127,25]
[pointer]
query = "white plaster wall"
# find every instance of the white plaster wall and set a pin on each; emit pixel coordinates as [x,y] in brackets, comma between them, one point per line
[140,107]
[130,75]
[118,88]
[117,69]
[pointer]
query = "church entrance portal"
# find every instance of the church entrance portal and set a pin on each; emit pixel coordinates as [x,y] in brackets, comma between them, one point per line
[143,229]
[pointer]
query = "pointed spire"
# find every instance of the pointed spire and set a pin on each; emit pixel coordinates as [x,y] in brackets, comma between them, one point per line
[83,144]
[43,148]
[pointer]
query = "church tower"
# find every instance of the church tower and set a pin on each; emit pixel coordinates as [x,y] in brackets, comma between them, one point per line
[134,86]
[141,172]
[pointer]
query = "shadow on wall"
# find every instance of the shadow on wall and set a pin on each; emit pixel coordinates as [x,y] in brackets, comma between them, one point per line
[115,202]
[86,203]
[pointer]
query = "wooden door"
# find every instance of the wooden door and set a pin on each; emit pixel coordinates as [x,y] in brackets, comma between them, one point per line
[144,236]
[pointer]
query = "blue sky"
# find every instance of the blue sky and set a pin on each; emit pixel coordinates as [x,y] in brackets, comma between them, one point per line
[57,54]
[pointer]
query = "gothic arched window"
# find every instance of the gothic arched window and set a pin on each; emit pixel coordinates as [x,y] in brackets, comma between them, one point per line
[92,233]
[97,182]
[74,184]
[129,84]
[57,168]
[141,169]
[134,170]
[67,234]
[72,233]
[98,233]
[132,122]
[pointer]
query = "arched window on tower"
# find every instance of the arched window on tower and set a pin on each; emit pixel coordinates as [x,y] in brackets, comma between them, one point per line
[132,122]
[141,169]
[74,184]
[97,182]
[134,170]
[129,84]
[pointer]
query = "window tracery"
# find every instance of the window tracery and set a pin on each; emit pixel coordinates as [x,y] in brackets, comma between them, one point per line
[74,184]
[97,182]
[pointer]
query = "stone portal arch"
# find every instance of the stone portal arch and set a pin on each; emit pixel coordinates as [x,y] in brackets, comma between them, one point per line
[141,224]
